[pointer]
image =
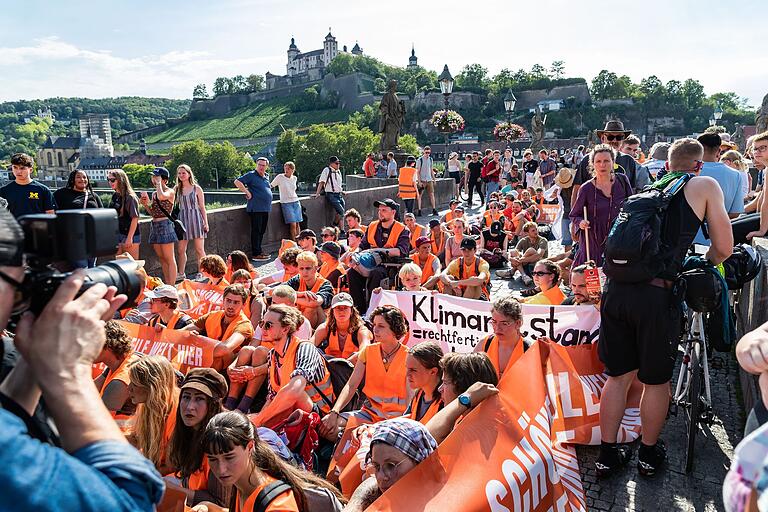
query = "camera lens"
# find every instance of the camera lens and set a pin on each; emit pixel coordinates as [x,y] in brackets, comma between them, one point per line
[121,274]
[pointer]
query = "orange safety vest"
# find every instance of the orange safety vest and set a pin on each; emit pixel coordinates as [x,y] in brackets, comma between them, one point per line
[319,280]
[406,188]
[474,271]
[450,216]
[426,269]
[491,348]
[334,348]
[394,234]
[435,244]
[416,233]
[280,376]
[554,296]
[198,481]
[171,323]
[284,245]
[326,269]
[284,501]
[433,408]
[213,326]
[123,375]
[386,389]
[489,218]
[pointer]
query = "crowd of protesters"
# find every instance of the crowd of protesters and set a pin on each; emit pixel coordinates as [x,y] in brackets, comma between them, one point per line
[300,361]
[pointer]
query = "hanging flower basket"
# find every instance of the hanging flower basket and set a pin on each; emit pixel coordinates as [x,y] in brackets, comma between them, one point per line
[508,131]
[447,121]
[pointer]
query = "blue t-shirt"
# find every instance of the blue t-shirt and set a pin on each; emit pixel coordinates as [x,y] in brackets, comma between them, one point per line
[33,197]
[261,192]
[730,183]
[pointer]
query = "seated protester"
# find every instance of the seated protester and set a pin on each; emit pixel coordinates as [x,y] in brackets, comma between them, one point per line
[493,214]
[298,376]
[199,401]
[525,199]
[314,291]
[249,370]
[427,262]
[254,305]
[437,239]
[524,256]
[230,326]
[307,240]
[515,218]
[330,234]
[165,309]
[505,346]
[354,220]
[389,237]
[580,295]
[239,458]
[354,237]
[417,230]
[142,311]
[330,269]
[493,245]
[410,278]
[117,355]
[238,260]
[539,198]
[470,377]
[154,392]
[424,376]
[468,276]
[450,214]
[398,445]
[382,365]
[459,214]
[213,268]
[546,276]
[453,244]
[290,268]
[344,334]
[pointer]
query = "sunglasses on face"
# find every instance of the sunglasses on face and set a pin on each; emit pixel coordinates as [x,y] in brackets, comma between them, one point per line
[614,137]
[111,180]
[540,274]
[266,325]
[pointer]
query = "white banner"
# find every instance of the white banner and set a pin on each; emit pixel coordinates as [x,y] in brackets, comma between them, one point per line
[459,324]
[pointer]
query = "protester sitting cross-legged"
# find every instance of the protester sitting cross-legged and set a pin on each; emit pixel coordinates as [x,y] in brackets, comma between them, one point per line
[165,308]
[467,276]
[458,227]
[493,244]
[427,262]
[506,345]
[298,376]
[390,238]
[314,291]
[398,445]
[331,270]
[546,277]
[117,355]
[344,334]
[424,376]
[353,220]
[437,239]
[154,392]
[523,258]
[382,364]
[213,269]
[230,326]
[240,459]
[199,401]
[249,370]
[417,230]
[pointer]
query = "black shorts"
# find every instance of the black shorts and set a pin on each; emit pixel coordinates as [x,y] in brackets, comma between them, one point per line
[639,330]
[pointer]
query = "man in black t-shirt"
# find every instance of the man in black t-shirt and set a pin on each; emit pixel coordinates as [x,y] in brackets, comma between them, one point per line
[475,168]
[26,196]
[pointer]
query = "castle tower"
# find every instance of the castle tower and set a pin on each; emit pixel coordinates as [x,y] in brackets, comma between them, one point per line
[412,60]
[356,50]
[330,48]
[293,52]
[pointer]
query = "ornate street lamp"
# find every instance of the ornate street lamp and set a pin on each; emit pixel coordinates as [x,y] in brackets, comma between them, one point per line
[712,121]
[446,87]
[509,104]
[718,114]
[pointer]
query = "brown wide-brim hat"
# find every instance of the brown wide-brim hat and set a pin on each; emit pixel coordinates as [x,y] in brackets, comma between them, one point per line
[614,126]
[564,178]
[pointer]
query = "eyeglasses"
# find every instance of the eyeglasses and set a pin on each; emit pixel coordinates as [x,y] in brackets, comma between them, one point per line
[388,468]
[760,149]
[111,180]
[501,323]
[619,136]
[539,273]
[327,235]
[265,325]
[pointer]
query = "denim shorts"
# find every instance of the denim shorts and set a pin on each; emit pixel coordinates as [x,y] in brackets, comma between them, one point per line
[136,238]
[162,232]
[336,201]
[291,212]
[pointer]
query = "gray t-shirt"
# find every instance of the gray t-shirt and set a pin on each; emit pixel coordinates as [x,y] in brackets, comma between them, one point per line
[424,166]
[526,243]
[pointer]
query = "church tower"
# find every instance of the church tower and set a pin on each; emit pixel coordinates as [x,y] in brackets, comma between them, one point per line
[293,52]
[412,60]
[330,48]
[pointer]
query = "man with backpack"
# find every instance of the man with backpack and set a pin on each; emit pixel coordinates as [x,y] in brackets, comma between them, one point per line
[640,309]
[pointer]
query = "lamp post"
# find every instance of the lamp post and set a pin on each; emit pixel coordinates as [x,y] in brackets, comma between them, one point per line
[718,113]
[712,121]
[509,104]
[446,87]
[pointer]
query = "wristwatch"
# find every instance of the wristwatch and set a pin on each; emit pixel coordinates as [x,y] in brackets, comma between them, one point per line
[465,401]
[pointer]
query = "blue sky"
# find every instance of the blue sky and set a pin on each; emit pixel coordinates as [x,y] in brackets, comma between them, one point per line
[163,48]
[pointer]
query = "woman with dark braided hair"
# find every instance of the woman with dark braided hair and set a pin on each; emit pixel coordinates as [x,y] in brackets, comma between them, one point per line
[77,194]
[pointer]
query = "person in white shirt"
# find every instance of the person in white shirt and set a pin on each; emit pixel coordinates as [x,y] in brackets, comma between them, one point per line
[332,182]
[426,175]
[289,200]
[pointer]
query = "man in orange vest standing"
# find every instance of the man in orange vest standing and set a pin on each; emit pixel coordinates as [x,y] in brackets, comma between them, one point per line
[165,308]
[389,237]
[407,184]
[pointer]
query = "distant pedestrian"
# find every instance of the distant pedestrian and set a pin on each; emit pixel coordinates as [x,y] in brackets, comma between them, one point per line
[162,236]
[258,193]
[369,166]
[391,165]
[530,165]
[381,166]
[192,214]
[475,169]
[547,168]
[24,195]
[424,164]
[507,161]
[455,169]
[331,182]
[126,203]
[491,175]
[289,199]
[407,184]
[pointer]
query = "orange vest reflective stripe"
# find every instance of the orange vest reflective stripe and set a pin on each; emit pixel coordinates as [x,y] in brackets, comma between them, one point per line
[427,270]
[334,348]
[319,280]
[122,374]
[171,323]
[394,234]
[386,389]
[491,348]
[416,233]
[213,326]
[406,188]
[436,244]
[279,377]
[433,408]
[473,271]
[327,269]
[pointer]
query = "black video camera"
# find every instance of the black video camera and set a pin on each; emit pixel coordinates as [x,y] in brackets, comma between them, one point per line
[68,236]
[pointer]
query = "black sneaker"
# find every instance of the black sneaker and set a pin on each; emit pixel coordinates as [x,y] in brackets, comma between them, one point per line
[611,459]
[434,211]
[418,212]
[651,458]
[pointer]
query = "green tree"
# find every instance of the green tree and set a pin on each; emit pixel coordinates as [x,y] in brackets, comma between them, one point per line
[255,83]
[603,84]
[286,146]
[538,72]
[342,64]
[408,144]
[200,92]
[195,154]
[139,175]
[693,94]
[558,69]
[473,76]
[674,94]
[222,85]
[239,84]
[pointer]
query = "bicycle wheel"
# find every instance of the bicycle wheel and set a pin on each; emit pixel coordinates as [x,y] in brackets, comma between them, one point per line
[463,195]
[694,405]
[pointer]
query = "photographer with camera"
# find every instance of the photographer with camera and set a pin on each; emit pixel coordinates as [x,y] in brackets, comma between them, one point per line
[95,468]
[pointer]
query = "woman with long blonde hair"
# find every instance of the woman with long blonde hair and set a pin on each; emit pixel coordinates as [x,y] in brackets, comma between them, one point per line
[126,203]
[153,389]
[735,161]
[191,200]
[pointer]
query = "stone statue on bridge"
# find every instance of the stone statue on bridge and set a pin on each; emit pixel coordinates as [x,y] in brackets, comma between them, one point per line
[537,130]
[392,111]
[761,119]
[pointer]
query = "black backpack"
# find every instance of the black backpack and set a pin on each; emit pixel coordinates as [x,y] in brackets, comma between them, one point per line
[634,250]
[318,498]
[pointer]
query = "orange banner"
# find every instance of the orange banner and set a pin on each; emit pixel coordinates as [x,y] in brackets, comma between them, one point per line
[548,213]
[182,348]
[513,452]
[197,299]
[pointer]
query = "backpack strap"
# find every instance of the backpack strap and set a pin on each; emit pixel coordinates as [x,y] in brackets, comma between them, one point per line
[268,494]
[488,343]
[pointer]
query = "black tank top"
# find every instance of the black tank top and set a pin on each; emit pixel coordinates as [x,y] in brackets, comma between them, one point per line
[680,227]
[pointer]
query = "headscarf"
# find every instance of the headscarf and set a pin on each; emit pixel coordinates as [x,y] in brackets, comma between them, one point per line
[409,436]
